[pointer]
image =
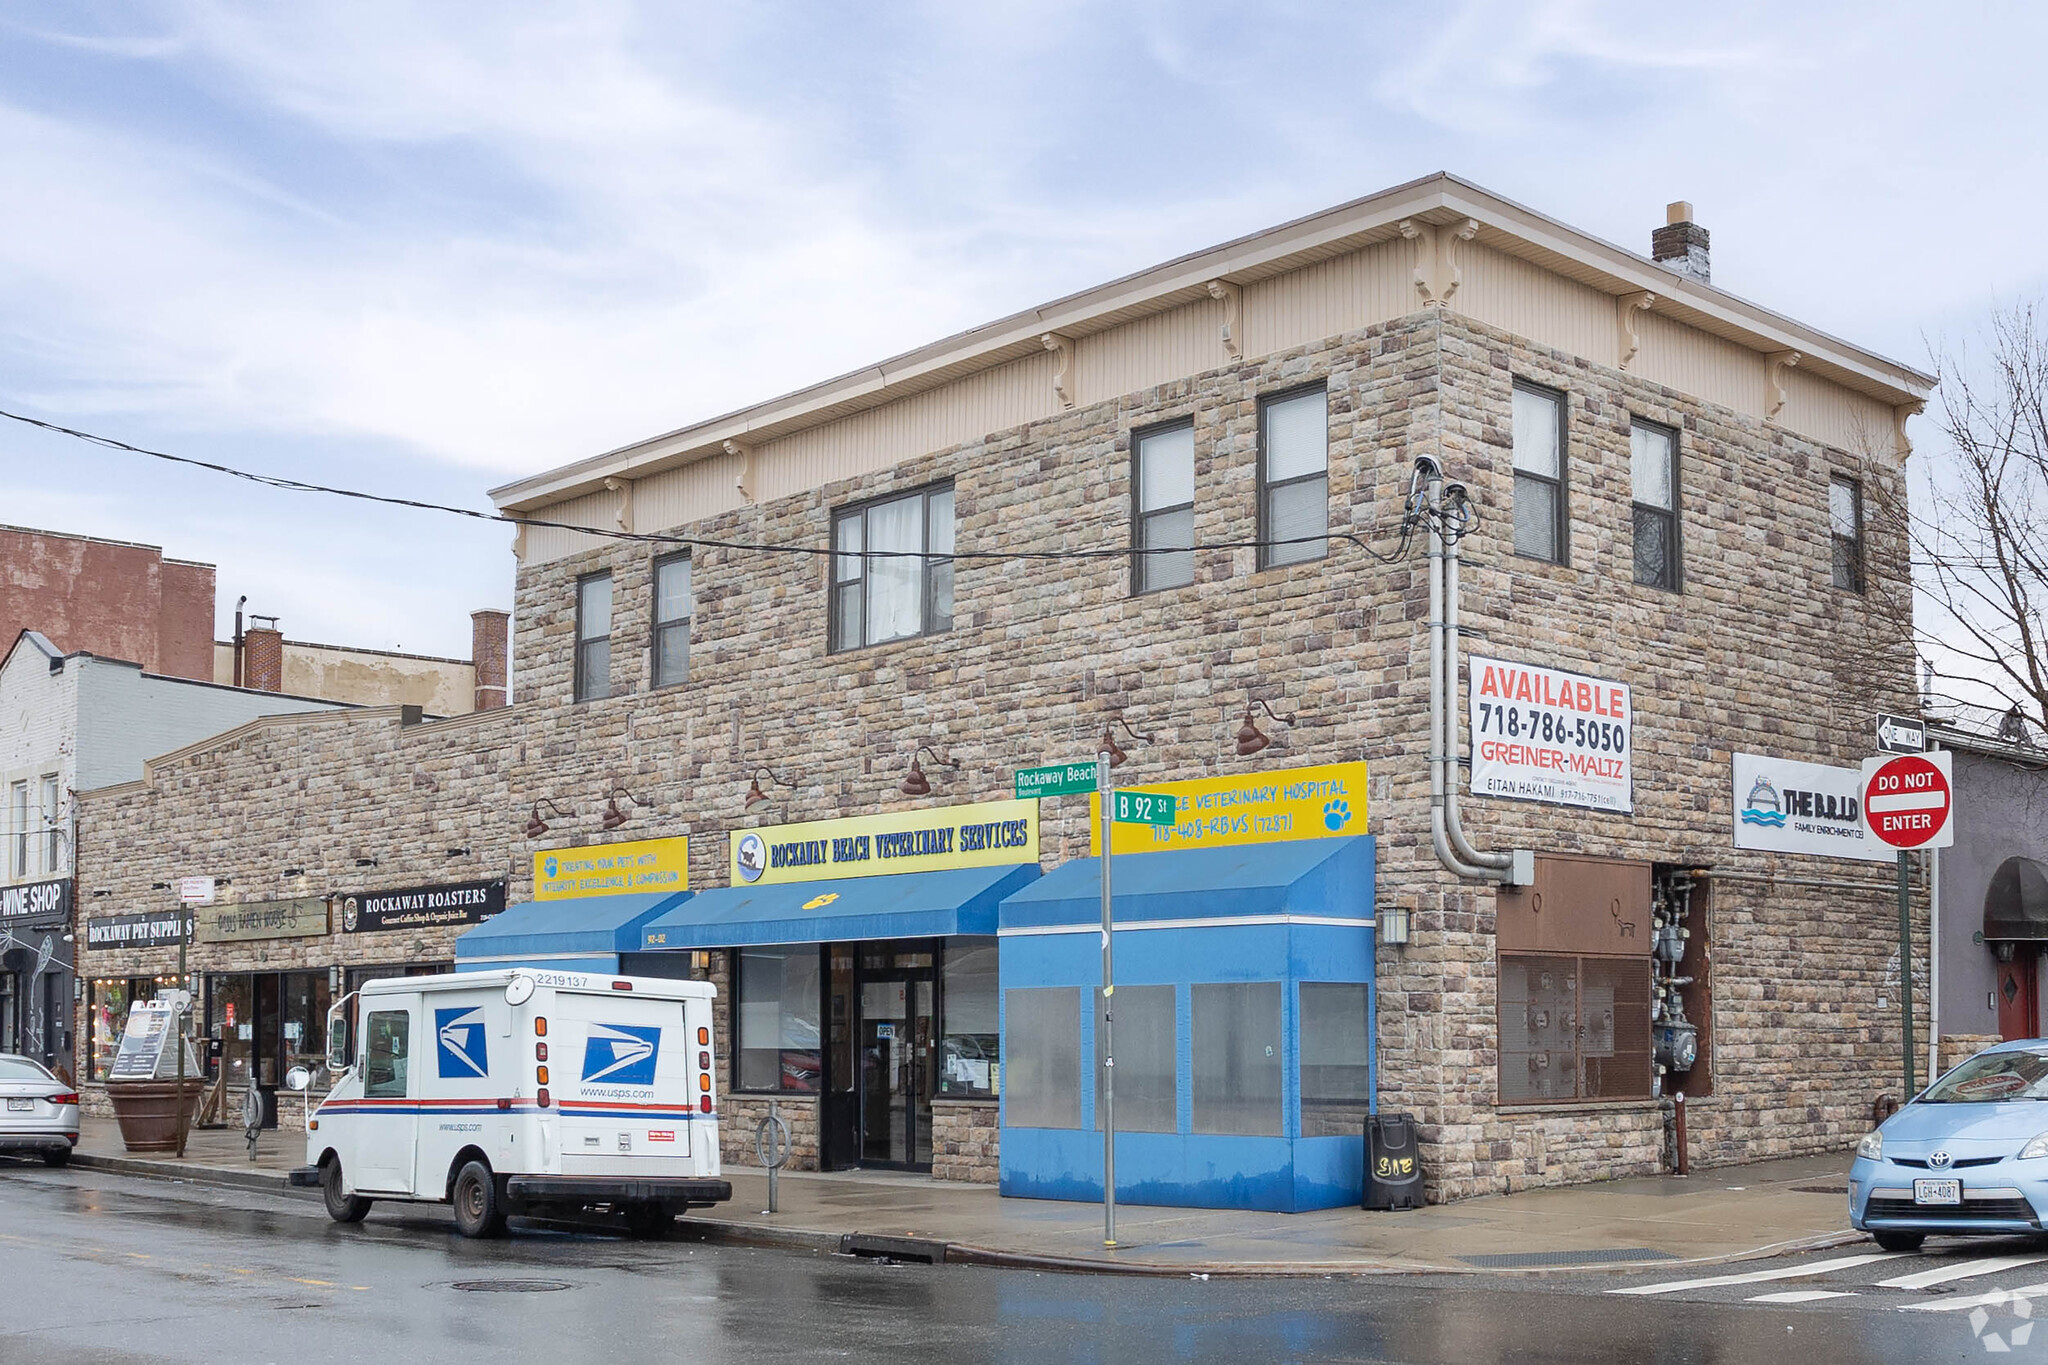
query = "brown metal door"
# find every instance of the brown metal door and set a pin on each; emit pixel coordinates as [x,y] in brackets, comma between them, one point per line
[2019,994]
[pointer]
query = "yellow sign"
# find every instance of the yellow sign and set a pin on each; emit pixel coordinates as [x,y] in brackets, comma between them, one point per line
[989,834]
[1245,808]
[612,869]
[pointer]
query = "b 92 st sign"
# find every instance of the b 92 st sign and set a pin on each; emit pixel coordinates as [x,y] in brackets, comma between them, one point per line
[1909,800]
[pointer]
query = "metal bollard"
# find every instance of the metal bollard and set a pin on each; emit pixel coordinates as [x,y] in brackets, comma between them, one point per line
[771,1144]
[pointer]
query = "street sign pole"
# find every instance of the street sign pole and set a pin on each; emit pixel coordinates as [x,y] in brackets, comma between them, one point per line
[1106,786]
[1906,970]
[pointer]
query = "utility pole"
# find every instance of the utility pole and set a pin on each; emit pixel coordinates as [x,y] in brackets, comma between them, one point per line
[1105,786]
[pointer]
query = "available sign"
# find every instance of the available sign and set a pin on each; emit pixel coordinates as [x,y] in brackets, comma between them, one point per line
[987,834]
[422,907]
[153,929]
[37,899]
[1541,734]
[612,869]
[1245,808]
[301,917]
[1782,806]
[1908,801]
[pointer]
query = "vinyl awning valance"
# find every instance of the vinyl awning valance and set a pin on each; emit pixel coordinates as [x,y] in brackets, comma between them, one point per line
[845,909]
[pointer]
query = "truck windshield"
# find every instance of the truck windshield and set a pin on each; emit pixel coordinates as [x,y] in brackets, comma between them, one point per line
[1991,1077]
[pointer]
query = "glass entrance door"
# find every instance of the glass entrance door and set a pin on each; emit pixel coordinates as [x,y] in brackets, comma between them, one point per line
[897,1063]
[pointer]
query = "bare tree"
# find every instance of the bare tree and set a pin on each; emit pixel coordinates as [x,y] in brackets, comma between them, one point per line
[1979,532]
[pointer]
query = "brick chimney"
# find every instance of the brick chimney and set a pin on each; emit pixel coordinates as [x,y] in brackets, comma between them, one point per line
[487,648]
[1681,243]
[263,656]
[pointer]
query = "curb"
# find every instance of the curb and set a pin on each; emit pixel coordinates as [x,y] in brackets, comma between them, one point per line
[269,1182]
[723,1232]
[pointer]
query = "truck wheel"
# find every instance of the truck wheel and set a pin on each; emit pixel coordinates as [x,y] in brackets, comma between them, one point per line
[478,1212]
[341,1207]
[648,1220]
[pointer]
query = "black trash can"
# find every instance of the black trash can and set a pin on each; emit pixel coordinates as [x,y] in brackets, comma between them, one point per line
[1393,1164]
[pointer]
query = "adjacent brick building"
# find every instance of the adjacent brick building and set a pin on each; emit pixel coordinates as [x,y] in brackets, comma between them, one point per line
[112,598]
[1651,463]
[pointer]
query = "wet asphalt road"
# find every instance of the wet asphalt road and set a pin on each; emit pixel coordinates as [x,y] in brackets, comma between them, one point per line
[97,1267]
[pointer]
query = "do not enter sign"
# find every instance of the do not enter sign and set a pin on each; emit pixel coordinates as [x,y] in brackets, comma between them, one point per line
[1908,800]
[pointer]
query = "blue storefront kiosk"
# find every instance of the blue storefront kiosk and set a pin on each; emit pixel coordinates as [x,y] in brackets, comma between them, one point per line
[1243,1027]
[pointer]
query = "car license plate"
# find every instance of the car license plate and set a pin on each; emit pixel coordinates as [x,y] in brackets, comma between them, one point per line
[1937,1191]
[21,1106]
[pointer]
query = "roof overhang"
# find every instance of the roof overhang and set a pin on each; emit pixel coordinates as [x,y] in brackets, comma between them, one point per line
[1437,199]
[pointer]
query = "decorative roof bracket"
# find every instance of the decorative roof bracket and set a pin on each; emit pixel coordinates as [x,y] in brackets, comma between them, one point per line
[1062,348]
[1437,276]
[744,480]
[622,515]
[1627,343]
[1775,365]
[1231,296]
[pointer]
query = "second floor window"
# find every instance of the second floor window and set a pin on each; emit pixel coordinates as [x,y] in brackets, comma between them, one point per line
[1845,516]
[892,573]
[1294,478]
[1653,485]
[17,826]
[594,637]
[1540,517]
[672,613]
[51,832]
[1165,493]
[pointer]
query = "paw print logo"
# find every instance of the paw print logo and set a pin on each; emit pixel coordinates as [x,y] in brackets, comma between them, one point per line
[552,870]
[1337,814]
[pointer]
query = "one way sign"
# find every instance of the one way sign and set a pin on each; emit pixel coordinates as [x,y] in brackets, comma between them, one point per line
[1901,735]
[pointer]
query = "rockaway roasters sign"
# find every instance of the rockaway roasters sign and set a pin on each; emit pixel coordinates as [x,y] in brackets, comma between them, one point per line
[422,907]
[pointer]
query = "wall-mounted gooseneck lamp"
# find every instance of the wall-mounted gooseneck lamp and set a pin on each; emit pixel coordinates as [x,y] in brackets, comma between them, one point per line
[1250,739]
[535,826]
[915,783]
[755,796]
[613,816]
[1108,745]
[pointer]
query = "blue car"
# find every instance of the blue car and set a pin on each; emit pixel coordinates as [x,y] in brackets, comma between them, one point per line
[1969,1155]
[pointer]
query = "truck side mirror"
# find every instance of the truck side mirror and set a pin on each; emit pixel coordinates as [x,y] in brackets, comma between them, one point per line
[337,1036]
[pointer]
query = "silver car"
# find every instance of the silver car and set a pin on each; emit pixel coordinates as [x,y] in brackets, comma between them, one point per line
[38,1112]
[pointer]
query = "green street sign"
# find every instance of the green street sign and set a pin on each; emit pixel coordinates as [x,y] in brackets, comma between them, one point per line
[1056,779]
[1145,808]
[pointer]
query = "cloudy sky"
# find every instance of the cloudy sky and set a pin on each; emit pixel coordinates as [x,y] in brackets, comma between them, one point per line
[425,249]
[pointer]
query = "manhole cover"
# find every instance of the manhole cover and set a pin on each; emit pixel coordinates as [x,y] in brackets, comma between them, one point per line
[511,1286]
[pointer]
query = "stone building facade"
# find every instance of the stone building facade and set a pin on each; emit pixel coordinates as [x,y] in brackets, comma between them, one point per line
[1417,312]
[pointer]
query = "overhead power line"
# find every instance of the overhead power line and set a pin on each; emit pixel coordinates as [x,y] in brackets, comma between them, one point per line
[1410,517]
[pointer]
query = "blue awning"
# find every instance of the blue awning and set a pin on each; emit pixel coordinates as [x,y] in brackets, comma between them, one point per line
[576,926]
[1306,878]
[906,905]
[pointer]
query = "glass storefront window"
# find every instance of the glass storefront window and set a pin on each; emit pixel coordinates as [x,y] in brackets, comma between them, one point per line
[1237,1057]
[303,998]
[1335,1089]
[972,1061]
[1043,1087]
[776,997]
[106,1013]
[1147,1088]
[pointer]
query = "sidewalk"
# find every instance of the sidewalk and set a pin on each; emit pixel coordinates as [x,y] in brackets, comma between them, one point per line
[1722,1214]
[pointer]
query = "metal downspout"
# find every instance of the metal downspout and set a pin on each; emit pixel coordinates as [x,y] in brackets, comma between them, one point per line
[1439,823]
[1492,862]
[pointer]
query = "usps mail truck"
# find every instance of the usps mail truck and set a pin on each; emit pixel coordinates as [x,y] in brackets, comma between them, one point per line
[519,1091]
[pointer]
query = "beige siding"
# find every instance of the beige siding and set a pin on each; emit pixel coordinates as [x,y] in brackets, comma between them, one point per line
[545,543]
[677,497]
[1330,298]
[965,410]
[1699,364]
[1155,350]
[1836,416]
[1550,310]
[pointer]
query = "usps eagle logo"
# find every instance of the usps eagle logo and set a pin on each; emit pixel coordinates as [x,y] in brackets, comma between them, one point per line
[620,1054]
[459,1039]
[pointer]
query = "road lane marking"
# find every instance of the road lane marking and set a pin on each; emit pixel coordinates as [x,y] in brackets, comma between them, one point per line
[1803,1295]
[1797,1272]
[1996,1296]
[324,1284]
[1989,1265]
